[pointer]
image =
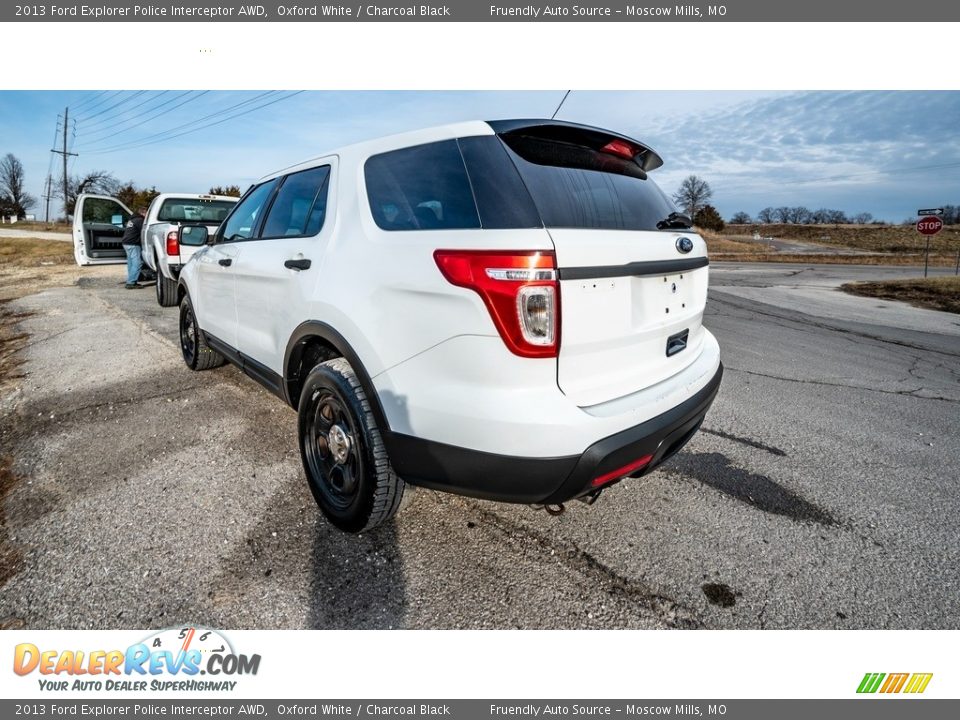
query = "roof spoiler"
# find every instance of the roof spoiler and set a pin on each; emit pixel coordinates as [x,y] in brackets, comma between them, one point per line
[576,134]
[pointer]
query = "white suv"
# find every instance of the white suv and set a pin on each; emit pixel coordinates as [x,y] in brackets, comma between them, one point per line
[162,250]
[509,310]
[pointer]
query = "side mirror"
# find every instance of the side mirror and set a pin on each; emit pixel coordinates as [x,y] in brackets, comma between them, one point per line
[194,235]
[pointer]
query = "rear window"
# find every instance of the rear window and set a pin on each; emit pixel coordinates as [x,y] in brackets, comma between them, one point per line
[577,187]
[194,210]
[510,182]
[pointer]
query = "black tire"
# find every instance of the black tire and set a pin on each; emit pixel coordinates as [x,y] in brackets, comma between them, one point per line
[352,480]
[196,353]
[166,289]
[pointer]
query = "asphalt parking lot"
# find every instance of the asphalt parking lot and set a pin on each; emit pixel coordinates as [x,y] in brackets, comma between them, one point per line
[821,493]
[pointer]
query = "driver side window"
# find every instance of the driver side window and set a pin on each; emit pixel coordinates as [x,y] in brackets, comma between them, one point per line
[243,221]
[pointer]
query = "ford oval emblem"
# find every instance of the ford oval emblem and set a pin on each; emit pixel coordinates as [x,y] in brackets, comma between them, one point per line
[684,244]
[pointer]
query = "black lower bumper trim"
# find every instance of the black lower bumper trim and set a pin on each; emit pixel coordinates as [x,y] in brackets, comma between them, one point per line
[475,473]
[661,437]
[547,480]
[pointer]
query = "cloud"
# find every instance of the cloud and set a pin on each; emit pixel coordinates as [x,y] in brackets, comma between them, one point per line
[883,152]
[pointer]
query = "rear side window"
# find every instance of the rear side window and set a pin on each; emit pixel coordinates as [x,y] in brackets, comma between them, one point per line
[300,206]
[242,223]
[577,187]
[194,210]
[421,188]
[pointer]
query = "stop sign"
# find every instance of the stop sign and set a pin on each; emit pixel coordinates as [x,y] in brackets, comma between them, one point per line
[929,225]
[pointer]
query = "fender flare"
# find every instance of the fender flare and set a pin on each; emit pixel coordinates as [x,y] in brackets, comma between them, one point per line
[318,328]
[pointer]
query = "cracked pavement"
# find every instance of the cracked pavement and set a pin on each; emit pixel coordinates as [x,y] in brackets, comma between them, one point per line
[821,493]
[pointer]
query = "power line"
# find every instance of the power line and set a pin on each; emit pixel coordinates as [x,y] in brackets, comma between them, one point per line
[125,111]
[202,127]
[137,144]
[218,122]
[198,120]
[110,94]
[90,98]
[112,107]
[164,111]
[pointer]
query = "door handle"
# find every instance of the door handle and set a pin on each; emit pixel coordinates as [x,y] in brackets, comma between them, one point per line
[226,262]
[302,264]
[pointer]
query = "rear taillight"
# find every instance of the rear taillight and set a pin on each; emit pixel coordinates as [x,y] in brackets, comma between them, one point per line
[520,290]
[173,245]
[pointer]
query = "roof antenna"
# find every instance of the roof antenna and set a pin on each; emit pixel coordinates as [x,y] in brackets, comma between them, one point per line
[565,96]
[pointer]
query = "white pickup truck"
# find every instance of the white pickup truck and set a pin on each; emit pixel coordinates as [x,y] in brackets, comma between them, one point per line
[163,252]
[99,220]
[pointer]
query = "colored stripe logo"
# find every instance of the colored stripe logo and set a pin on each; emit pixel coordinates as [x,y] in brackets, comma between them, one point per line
[913,683]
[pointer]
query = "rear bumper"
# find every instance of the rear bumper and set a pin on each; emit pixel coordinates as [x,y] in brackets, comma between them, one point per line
[548,480]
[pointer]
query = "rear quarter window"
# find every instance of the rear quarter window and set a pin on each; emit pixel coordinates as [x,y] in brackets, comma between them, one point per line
[421,188]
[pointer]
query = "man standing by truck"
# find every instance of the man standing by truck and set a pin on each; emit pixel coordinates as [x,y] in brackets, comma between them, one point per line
[132,247]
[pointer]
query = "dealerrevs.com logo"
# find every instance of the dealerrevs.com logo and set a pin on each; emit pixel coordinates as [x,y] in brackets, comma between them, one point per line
[178,659]
[909,683]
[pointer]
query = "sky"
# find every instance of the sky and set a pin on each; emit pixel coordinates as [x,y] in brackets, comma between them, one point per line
[883,152]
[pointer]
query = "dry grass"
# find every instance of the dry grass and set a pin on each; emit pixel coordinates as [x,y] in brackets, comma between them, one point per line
[10,557]
[895,245]
[28,265]
[52,226]
[32,251]
[871,238]
[940,293]
[824,259]
[718,244]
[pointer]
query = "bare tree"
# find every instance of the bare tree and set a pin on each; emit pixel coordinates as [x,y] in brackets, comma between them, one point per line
[800,215]
[862,218]
[782,214]
[693,194]
[12,185]
[740,218]
[765,216]
[97,181]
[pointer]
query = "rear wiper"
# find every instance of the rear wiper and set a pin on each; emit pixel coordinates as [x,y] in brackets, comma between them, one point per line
[675,221]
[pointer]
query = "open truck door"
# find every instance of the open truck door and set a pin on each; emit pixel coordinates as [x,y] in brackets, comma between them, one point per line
[98,222]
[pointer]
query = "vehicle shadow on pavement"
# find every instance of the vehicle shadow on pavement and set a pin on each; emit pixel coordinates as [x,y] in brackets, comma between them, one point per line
[357,581]
[314,575]
[717,471]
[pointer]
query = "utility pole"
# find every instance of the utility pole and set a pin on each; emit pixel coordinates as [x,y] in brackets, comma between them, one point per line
[46,196]
[64,153]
